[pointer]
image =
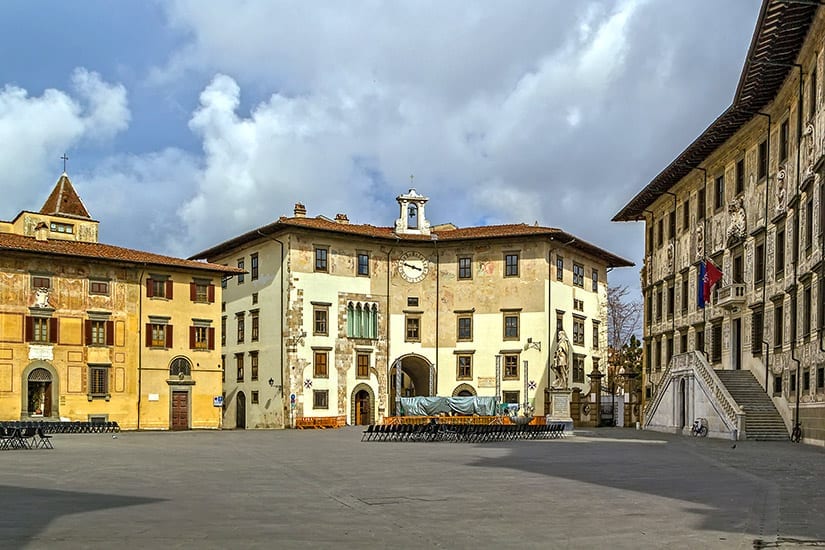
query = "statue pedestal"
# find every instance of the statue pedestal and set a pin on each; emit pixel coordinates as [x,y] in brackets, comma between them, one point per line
[560,408]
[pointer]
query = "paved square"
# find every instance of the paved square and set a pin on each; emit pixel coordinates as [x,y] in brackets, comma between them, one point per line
[607,488]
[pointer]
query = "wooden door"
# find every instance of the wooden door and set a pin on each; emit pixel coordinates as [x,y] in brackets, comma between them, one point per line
[180,410]
[47,399]
[240,411]
[362,408]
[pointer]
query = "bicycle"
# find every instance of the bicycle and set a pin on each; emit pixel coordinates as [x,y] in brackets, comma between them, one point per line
[796,433]
[699,428]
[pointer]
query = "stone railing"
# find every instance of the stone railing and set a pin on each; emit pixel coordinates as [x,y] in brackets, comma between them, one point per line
[730,411]
[662,378]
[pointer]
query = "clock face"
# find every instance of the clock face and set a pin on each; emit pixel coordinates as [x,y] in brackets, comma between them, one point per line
[413,266]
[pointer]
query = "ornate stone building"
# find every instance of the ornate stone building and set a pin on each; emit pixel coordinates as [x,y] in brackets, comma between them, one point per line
[90,331]
[747,195]
[327,308]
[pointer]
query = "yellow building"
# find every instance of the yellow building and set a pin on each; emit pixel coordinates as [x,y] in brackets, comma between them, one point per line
[95,332]
[747,196]
[329,309]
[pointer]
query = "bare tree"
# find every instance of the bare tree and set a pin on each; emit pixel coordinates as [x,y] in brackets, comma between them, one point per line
[624,316]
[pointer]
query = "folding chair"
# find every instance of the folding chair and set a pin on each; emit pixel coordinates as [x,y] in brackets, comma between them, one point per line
[44,440]
[366,434]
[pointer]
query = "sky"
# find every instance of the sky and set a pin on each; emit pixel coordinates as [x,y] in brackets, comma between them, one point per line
[187,122]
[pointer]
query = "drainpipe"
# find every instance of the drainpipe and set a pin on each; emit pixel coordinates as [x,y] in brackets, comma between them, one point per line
[799,109]
[434,238]
[140,342]
[765,259]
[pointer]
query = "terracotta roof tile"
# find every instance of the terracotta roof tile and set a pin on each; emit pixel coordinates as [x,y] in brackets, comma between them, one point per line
[64,201]
[446,235]
[97,251]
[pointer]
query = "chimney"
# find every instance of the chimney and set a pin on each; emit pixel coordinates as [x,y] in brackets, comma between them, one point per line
[300,210]
[341,218]
[41,231]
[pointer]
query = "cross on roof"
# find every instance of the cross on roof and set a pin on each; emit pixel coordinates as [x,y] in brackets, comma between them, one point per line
[65,157]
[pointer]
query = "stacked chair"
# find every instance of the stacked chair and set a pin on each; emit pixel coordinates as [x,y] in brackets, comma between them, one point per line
[461,433]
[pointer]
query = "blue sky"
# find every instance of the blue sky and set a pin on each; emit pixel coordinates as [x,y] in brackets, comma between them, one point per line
[189,122]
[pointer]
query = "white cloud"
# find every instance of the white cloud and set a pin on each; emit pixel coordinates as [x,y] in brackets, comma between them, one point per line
[36,130]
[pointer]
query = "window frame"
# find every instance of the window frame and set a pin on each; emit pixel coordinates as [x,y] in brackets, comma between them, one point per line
[98,381]
[253,365]
[320,363]
[464,366]
[239,367]
[320,399]
[320,320]
[362,264]
[719,192]
[321,259]
[95,288]
[255,325]
[511,264]
[412,321]
[465,268]
[253,266]
[240,264]
[240,327]
[560,267]
[464,333]
[510,368]
[577,338]
[362,365]
[511,325]
[578,275]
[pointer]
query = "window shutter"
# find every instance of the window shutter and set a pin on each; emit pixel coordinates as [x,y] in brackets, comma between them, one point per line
[148,335]
[168,336]
[193,291]
[210,335]
[53,327]
[29,328]
[88,326]
[149,288]
[210,293]
[110,333]
[191,337]
[169,289]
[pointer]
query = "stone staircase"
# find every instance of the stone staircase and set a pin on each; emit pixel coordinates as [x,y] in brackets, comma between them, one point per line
[763,422]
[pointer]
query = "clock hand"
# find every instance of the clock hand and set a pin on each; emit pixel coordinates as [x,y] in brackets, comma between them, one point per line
[413,266]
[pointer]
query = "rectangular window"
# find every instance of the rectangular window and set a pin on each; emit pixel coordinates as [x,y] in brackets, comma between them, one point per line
[778,321]
[223,330]
[806,380]
[255,326]
[719,192]
[201,292]
[511,366]
[320,399]
[255,397]
[812,94]
[321,259]
[511,396]
[716,342]
[362,361]
[159,335]
[669,350]
[578,368]
[239,319]
[809,226]
[465,328]
[511,330]
[793,316]
[578,275]
[578,305]
[413,329]
[465,270]
[240,265]
[738,268]
[700,340]
[56,227]
[578,331]
[657,358]
[671,224]
[465,367]
[660,237]
[239,367]
[671,301]
[559,268]
[159,288]
[806,312]
[820,379]
[594,277]
[659,305]
[511,265]
[740,176]
[792,383]
[559,323]
[99,287]
[200,335]
[254,298]
[320,364]
[98,381]
[759,263]
[757,326]
[253,364]
[363,264]
[412,301]
[777,385]
[320,315]
[683,342]
[779,267]
[762,160]
[98,333]
[686,214]
[700,205]
[253,266]
[595,335]
[783,141]
[685,294]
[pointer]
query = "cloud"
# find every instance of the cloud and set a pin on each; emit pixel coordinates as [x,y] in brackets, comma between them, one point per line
[35,130]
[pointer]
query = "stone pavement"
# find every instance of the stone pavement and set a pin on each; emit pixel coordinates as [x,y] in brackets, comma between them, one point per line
[605,488]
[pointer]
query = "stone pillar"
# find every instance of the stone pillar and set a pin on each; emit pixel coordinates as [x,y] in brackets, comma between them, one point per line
[596,392]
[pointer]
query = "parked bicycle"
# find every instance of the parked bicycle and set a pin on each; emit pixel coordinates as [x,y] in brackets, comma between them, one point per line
[796,433]
[699,428]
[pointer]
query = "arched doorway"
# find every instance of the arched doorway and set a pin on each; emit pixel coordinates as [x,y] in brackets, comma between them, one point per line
[417,379]
[240,411]
[464,390]
[39,391]
[363,404]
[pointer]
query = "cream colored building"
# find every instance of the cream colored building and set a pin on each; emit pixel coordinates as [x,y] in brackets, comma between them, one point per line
[746,194]
[90,331]
[327,308]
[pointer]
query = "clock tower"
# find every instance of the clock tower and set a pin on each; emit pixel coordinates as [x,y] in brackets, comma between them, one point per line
[412,220]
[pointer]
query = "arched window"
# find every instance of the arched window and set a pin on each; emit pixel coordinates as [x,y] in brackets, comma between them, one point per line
[412,216]
[374,322]
[362,320]
[350,320]
[179,367]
